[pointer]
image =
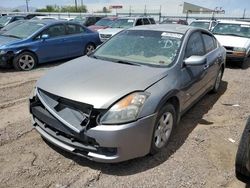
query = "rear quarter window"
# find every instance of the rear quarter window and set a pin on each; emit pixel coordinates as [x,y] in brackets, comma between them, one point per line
[152,21]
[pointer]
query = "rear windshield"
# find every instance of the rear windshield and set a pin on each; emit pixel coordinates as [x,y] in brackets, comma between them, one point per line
[204,25]
[104,22]
[123,23]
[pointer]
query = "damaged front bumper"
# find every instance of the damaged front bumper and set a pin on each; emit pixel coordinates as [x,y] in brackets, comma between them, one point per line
[101,143]
[6,59]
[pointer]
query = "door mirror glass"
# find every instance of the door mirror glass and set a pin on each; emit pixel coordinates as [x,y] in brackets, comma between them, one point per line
[195,60]
[45,36]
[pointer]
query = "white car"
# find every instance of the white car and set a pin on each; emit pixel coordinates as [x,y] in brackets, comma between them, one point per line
[235,37]
[124,23]
[205,24]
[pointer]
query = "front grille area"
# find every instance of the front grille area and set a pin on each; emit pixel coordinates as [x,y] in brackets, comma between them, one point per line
[105,36]
[81,116]
[229,48]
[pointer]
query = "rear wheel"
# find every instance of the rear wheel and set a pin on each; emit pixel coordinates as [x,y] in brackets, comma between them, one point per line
[164,125]
[89,48]
[25,61]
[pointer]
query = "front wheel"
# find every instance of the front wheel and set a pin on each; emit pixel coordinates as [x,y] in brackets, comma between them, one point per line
[89,48]
[164,125]
[217,81]
[25,61]
[245,63]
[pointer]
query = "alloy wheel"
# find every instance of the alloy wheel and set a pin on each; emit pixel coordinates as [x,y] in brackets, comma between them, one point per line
[164,129]
[26,62]
[90,48]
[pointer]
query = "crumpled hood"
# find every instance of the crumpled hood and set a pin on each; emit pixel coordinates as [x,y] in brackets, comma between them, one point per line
[233,41]
[111,31]
[97,82]
[7,40]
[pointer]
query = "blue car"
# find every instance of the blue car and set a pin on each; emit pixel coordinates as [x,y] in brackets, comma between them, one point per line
[33,42]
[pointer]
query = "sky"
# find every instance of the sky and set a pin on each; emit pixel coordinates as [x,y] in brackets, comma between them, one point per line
[230,6]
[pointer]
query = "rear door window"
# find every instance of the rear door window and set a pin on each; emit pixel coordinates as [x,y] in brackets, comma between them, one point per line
[74,29]
[195,45]
[146,21]
[139,22]
[152,21]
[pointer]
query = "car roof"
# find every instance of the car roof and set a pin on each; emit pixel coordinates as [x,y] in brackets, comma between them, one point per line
[175,28]
[133,17]
[234,22]
[50,21]
[110,18]
[203,20]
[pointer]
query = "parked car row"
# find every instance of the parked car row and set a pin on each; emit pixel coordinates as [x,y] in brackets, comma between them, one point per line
[233,35]
[24,48]
[43,41]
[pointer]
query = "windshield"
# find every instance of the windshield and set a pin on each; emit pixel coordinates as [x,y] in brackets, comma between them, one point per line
[79,19]
[104,22]
[24,30]
[141,46]
[241,30]
[12,25]
[204,25]
[4,20]
[123,23]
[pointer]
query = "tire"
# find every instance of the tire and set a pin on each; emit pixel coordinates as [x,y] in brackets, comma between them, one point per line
[25,61]
[161,129]
[242,158]
[89,48]
[217,83]
[244,64]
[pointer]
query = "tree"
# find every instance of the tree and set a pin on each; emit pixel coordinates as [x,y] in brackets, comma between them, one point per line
[55,8]
[105,10]
[16,10]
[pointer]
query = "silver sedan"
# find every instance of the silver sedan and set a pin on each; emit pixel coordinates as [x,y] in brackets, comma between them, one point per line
[124,100]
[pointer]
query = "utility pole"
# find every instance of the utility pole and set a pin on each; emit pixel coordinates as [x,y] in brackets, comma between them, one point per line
[244,13]
[160,14]
[27,5]
[76,5]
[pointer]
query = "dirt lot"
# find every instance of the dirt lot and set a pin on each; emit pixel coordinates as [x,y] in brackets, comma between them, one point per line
[199,155]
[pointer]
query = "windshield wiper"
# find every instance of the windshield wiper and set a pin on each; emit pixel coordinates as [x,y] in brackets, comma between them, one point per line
[14,36]
[127,63]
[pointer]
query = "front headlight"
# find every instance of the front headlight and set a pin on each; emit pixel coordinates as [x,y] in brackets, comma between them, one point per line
[125,110]
[240,52]
[2,52]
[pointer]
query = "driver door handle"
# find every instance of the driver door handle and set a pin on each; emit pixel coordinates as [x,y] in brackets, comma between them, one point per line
[206,67]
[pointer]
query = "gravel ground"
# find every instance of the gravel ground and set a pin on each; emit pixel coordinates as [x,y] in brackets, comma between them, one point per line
[200,154]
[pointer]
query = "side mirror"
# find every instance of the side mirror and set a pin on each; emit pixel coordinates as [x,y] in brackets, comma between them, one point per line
[45,36]
[195,60]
